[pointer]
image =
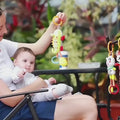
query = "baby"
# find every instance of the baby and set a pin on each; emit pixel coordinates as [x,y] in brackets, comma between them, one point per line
[24,62]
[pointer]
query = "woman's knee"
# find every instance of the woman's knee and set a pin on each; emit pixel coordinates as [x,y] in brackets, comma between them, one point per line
[91,101]
[91,108]
[84,105]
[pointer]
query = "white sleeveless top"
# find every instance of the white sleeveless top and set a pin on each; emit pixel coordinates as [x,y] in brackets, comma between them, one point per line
[7,50]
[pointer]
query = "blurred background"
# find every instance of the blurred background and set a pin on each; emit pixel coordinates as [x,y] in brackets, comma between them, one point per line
[89,23]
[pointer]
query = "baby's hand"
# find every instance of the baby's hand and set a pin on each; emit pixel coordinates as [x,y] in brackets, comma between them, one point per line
[52,80]
[21,73]
[18,74]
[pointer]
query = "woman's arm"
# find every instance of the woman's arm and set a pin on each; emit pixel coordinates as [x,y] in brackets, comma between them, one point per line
[42,44]
[13,101]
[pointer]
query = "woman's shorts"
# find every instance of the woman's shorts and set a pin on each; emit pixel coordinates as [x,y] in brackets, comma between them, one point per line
[45,111]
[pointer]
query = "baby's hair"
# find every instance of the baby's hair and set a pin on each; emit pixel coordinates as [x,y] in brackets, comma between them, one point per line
[23,49]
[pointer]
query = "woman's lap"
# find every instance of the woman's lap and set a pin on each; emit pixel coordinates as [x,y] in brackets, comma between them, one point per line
[45,111]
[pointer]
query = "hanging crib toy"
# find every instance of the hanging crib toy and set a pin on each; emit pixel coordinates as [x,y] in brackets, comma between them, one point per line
[57,44]
[110,62]
[57,37]
[118,56]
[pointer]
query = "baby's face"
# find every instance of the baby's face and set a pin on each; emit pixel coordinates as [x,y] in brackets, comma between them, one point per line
[26,61]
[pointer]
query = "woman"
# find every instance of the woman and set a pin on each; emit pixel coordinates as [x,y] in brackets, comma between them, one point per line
[73,107]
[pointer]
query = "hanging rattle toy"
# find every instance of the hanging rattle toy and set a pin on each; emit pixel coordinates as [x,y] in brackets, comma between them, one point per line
[110,62]
[57,41]
[57,37]
[118,61]
[118,56]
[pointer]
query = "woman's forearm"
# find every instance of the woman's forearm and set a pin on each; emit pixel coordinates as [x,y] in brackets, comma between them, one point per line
[4,91]
[42,44]
[13,101]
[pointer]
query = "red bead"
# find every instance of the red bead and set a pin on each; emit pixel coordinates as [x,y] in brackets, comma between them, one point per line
[63,38]
[61,48]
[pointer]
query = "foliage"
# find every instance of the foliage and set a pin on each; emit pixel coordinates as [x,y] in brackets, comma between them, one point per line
[20,35]
[20,13]
[90,18]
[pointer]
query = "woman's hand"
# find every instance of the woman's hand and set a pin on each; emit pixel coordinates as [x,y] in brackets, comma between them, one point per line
[59,19]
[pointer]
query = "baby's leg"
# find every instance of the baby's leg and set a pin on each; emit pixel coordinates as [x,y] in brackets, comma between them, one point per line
[61,90]
[37,97]
[55,92]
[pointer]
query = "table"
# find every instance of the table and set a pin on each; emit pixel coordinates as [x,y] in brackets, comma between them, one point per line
[72,71]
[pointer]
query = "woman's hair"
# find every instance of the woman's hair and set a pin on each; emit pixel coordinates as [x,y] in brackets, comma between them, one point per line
[1,11]
[23,49]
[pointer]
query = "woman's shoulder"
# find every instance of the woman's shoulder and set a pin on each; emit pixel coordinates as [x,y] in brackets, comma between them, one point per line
[8,43]
[5,41]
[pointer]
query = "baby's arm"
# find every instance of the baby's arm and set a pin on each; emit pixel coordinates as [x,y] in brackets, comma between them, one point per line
[29,78]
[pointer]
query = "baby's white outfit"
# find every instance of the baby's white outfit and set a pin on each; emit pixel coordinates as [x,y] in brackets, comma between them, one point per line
[59,89]
[7,50]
